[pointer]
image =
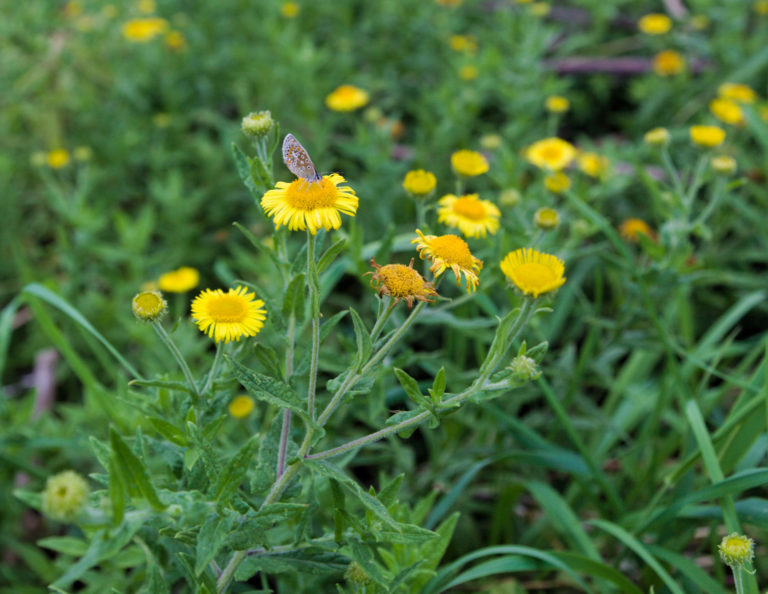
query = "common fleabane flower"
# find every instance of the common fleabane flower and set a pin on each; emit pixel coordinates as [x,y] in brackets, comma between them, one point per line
[401,282]
[533,272]
[472,216]
[449,251]
[552,154]
[228,316]
[346,98]
[180,280]
[469,163]
[419,182]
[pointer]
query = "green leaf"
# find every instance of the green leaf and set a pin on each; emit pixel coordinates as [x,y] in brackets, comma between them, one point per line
[169,431]
[6,329]
[293,297]
[234,472]
[212,536]
[362,340]
[243,165]
[438,387]
[330,324]
[132,470]
[118,492]
[66,545]
[411,387]
[259,245]
[162,384]
[303,561]
[330,254]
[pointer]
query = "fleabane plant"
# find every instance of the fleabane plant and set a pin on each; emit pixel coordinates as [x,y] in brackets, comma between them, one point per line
[225,512]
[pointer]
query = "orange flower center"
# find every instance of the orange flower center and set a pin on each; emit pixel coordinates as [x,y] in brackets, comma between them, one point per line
[227,308]
[551,153]
[401,281]
[470,208]
[452,249]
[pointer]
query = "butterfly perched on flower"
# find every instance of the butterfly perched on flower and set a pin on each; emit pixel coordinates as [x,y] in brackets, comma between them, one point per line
[297,160]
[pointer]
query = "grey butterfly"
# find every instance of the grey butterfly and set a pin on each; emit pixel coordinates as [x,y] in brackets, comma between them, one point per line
[297,160]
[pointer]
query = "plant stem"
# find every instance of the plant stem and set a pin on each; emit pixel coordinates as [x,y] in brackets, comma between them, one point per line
[165,337]
[286,430]
[314,307]
[738,580]
[214,368]
[382,320]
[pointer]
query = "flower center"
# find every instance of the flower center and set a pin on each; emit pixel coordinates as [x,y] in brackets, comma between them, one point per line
[470,208]
[534,275]
[304,195]
[148,302]
[452,249]
[551,154]
[227,308]
[401,281]
[736,546]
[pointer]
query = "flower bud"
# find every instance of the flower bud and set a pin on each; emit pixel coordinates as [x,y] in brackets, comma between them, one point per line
[524,368]
[736,550]
[149,306]
[64,496]
[258,123]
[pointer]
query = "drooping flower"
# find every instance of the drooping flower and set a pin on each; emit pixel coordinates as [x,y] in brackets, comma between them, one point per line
[552,154]
[143,30]
[533,272]
[557,104]
[707,136]
[58,158]
[180,280]
[472,216]
[449,251]
[313,205]
[668,63]
[401,282]
[419,182]
[655,24]
[346,98]
[228,316]
[631,228]
[241,406]
[64,496]
[149,306]
[469,163]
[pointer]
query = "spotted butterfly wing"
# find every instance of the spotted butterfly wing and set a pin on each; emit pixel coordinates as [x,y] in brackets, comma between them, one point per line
[297,160]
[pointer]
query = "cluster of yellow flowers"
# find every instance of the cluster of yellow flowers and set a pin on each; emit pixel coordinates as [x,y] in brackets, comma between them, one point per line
[145,29]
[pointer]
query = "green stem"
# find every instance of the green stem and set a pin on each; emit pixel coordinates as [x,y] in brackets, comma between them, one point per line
[214,368]
[165,337]
[690,196]
[286,429]
[666,160]
[382,320]
[738,580]
[315,311]
[714,200]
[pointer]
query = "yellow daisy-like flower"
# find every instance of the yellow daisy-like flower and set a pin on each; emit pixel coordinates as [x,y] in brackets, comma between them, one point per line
[557,182]
[546,218]
[143,30]
[149,306]
[533,272]
[557,104]
[707,136]
[419,182]
[631,228]
[346,98]
[655,24]
[552,153]
[472,216]
[401,282]
[668,63]
[290,10]
[449,251]
[736,550]
[727,111]
[180,280]
[301,205]
[64,496]
[657,137]
[592,164]
[469,163]
[58,158]
[241,406]
[228,316]
[737,92]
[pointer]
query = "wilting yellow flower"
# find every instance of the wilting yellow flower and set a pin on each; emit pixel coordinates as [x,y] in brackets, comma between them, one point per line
[557,104]
[533,272]
[552,154]
[760,7]
[707,136]
[546,218]
[449,251]
[592,164]
[175,40]
[736,550]
[468,72]
[258,123]
[463,43]
[146,6]
[241,406]
[58,159]
[149,306]
[64,496]
[657,137]
[668,63]
[737,92]
[290,10]
[469,163]
[472,216]
[655,24]
[631,228]
[401,282]
[419,182]
[143,30]
[726,111]
[723,164]
[557,182]
[490,141]
[228,316]
[180,280]
[346,98]
[314,205]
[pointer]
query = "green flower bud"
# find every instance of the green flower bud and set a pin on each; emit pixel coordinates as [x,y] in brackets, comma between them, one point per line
[258,123]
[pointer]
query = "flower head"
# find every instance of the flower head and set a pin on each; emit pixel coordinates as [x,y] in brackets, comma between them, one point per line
[468,72]
[655,24]
[592,164]
[557,182]
[58,158]
[180,280]
[346,98]
[301,205]
[736,550]
[668,63]
[524,368]
[546,218]
[631,228]
[64,496]
[723,164]
[463,43]
[657,137]
[241,406]
[760,7]
[472,216]
[401,282]
[290,10]
[228,316]
[258,123]
[726,110]
[533,272]
[737,92]
[552,154]
[149,306]
[707,136]
[419,182]
[143,30]
[469,163]
[557,104]
[449,251]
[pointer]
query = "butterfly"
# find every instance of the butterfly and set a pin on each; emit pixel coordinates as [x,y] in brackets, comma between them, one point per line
[297,160]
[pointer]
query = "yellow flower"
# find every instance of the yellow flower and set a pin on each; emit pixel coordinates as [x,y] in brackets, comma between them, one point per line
[449,251]
[346,98]
[760,7]
[472,216]
[301,205]
[143,30]
[533,272]
[290,10]
[723,164]
[552,153]
[401,282]
[146,6]
[736,550]
[419,182]
[58,159]
[631,228]
[468,72]
[557,182]
[64,496]
[241,406]
[546,218]
[707,136]
[657,137]
[463,43]
[175,40]
[668,63]
[469,163]
[592,164]
[737,92]
[557,104]
[149,306]
[228,316]
[655,24]
[179,281]
[726,111]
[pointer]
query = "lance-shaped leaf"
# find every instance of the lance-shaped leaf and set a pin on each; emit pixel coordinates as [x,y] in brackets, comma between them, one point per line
[132,470]
[233,473]
[330,254]
[362,340]
[293,298]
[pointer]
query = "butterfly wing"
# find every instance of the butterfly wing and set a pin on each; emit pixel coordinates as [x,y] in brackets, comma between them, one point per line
[297,160]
